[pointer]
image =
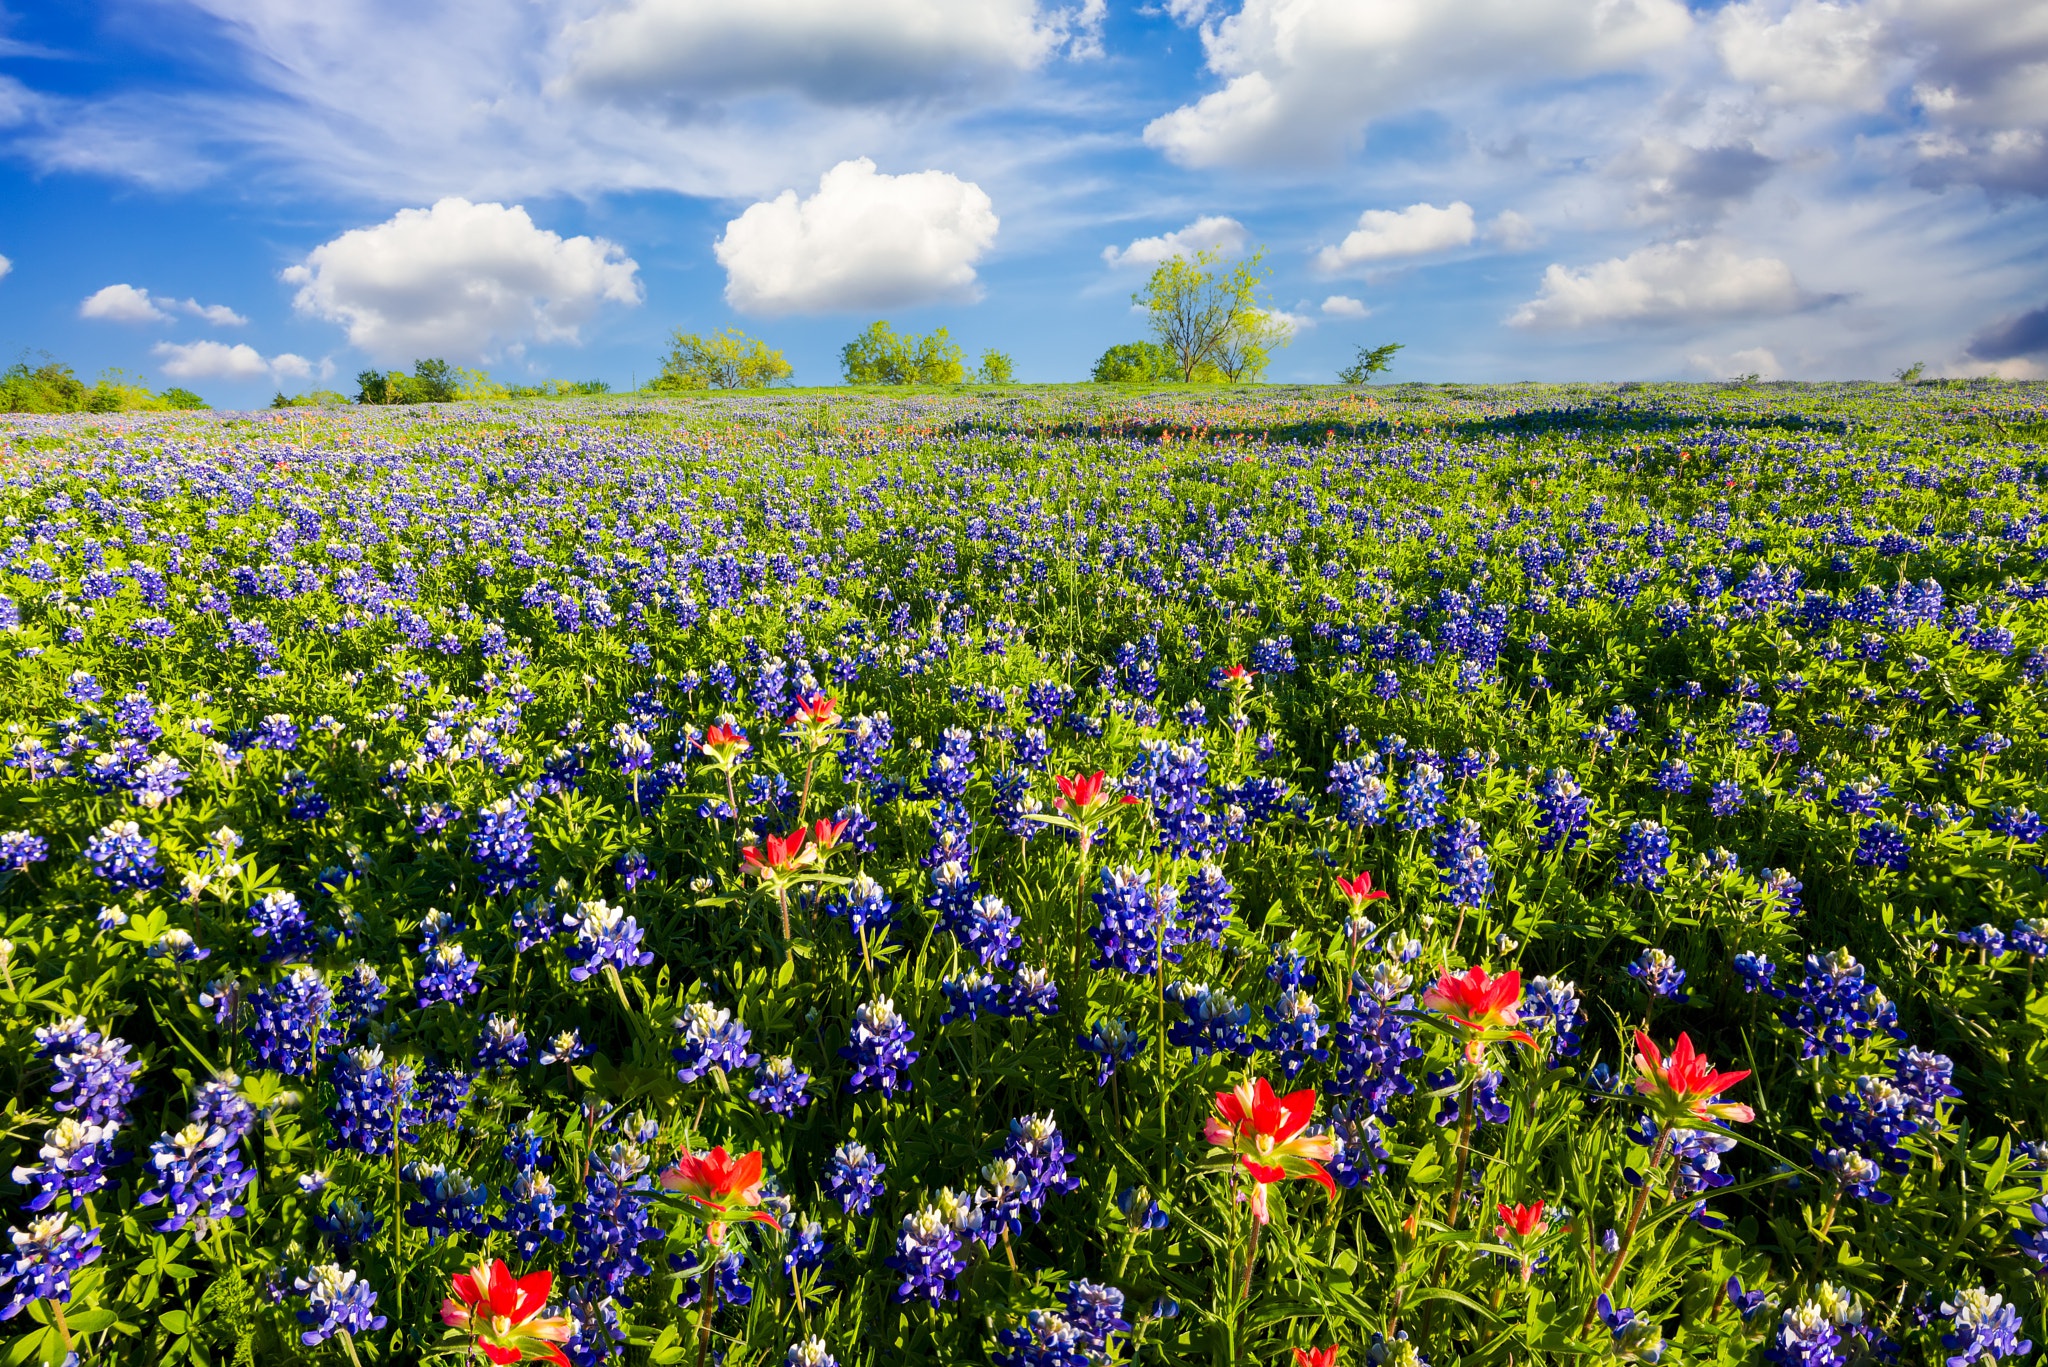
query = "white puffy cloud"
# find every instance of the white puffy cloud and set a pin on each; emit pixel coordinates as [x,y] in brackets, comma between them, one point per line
[220,361]
[863,240]
[1810,51]
[122,304]
[833,52]
[131,304]
[1386,234]
[1511,232]
[1302,78]
[1757,361]
[1225,235]
[1344,306]
[5,267]
[460,279]
[1667,282]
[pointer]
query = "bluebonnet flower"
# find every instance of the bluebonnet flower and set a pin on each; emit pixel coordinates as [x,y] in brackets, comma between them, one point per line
[1361,1148]
[345,1224]
[1725,797]
[781,1087]
[450,1203]
[448,975]
[1483,1095]
[564,1047]
[1645,850]
[1032,992]
[337,1301]
[632,869]
[501,1043]
[1756,972]
[358,995]
[1214,1024]
[1633,1337]
[2034,1241]
[1361,793]
[1925,1080]
[1562,810]
[1297,1030]
[866,737]
[1834,1008]
[42,1259]
[1988,939]
[177,946]
[807,1260]
[605,938]
[75,1157]
[1882,845]
[1984,1329]
[276,731]
[1113,1044]
[19,849]
[1778,887]
[711,1039]
[927,1256]
[199,1176]
[811,1352]
[614,1219]
[1747,1303]
[1462,864]
[866,906]
[879,1049]
[1040,1152]
[853,1177]
[1132,917]
[303,801]
[988,929]
[1555,1007]
[952,766]
[1375,1043]
[1207,902]
[2030,937]
[969,995]
[370,1103]
[280,922]
[1422,794]
[501,847]
[83,687]
[125,857]
[533,923]
[1672,776]
[1660,973]
[292,1022]
[1855,1174]
[2020,824]
[1096,1311]
[595,1332]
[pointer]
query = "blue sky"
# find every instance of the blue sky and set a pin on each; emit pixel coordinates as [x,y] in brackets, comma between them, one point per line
[247,195]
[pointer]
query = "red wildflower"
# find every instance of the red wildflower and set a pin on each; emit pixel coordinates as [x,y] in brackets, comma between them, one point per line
[825,832]
[776,854]
[1080,794]
[1487,1008]
[1358,891]
[819,709]
[503,1314]
[1522,1221]
[727,1186]
[1316,1357]
[1682,1088]
[1264,1131]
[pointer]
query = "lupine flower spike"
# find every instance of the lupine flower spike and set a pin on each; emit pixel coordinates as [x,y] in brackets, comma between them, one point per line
[503,1316]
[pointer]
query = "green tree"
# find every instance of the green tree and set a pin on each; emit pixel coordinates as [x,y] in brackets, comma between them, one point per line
[1247,348]
[1134,363]
[1199,306]
[433,381]
[881,355]
[996,368]
[727,359]
[1369,362]
[50,387]
[175,397]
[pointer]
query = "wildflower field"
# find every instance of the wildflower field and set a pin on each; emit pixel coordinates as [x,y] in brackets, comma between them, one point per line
[1045,878]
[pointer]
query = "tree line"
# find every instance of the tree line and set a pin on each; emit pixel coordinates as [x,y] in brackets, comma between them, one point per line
[46,385]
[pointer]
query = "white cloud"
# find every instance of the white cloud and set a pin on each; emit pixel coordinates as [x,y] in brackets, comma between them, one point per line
[1814,51]
[219,315]
[5,267]
[1757,361]
[864,240]
[1225,235]
[460,279]
[122,304]
[1344,306]
[1385,234]
[1290,323]
[1667,282]
[1511,232]
[220,361]
[1303,77]
[832,52]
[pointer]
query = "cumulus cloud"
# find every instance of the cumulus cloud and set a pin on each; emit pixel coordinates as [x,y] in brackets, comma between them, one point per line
[685,52]
[863,240]
[460,279]
[5,267]
[1666,282]
[1344,306]
[1812,51]
[1511,232]
[220,361]
[122,304]
[1301,78]
[1225,235]
[2010,339]
[1387,234]
[130,304]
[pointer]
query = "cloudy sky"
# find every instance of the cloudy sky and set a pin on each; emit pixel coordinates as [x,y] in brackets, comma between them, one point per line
[246,195]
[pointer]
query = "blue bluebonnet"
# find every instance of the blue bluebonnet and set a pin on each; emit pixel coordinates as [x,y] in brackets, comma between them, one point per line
[1987,939]
[1422,795]
[2033,1240]
[860,751]
[989,930]
[969,995]
[448,974]
[952,766]
[501,1043]
[1375,1042]
[125,857]
[711,1039]
[501,847]
[358,996]
[1747,1303]
[730,1273]
[879,1049]
[19,849]
[370,1102]
[1645,850]
[807,1260]
[853,1177]
[781,1086]
[292,1022]
[1554,1007]
[450,1202]
[1096,1312]
[1779,888]
[1660,974]
[1032,992]
[1834,1008]
[1725,797]
[866,907]
[1856,1175]
[2021,824]
[76,1156]
[1983,1328]
[2030,937]
[345,1224]
[1361,1148]
[614,1220]
[39,1262]
[1926,1081]
[1040,1153]
[1882,845]
[1297,1032]
[927,1256]
[1214,1022]
[1132,917]
[95,1080]
[279,921]
[337,1301]
[810,1352]
[1113,1043]
[199,1177]
[1672,776]
[606,937]
[1633,1336]
[1460,851]
[1756,972]
[1562,810]
[1207,907]
[1361,792]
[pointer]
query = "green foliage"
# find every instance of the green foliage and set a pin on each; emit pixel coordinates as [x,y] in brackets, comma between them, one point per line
[1910,374]
[881,355]
[560,389]
[1369,362]
[1134,363]
[431,381]
[1205,315]
[316,398]
[996,368]
[178,398]
[52,387]
[727,359]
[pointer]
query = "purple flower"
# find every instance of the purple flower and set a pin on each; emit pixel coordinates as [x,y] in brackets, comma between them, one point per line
[501,1044]
[927,1256]
[1645,850]
[1882,845]
[1756,972]
[1207,902]
[43,1259]
[19,849]
[1660,973]
[879,1049]
[75,1157]
[501,847]
[280,922]
[1985,1329]
[853,1177]
[199,1176]
[711,1039]
[293,1022]
[448,975]
[781,1087]
[1132,916]
[450,1203]
[337,1301]
[1112,1043]
[605,938]
[1562,809]
[125,857]
[1461,862]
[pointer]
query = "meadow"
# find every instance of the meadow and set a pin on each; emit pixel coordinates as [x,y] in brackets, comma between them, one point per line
[1047,877]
